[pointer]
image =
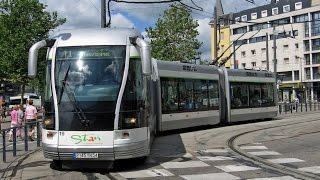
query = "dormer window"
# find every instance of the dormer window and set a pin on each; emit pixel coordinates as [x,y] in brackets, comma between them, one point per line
[264,13]
[254,15]
[237,19]
[298,5]
[286,8]
[244,18]
[275,11]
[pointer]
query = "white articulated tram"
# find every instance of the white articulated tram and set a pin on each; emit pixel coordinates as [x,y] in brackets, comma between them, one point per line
[97,99]
[105,98]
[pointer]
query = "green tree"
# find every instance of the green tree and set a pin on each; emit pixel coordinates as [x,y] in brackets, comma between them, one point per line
[174,37]
[22,23]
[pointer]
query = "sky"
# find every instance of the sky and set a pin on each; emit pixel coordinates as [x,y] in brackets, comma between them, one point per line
[87,14]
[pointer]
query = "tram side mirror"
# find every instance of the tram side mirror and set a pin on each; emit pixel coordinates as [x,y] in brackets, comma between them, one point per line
[33,55]
[146,65]
[145,54]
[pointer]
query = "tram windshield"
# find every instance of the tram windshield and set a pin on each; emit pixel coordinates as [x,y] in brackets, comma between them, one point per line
[87,81]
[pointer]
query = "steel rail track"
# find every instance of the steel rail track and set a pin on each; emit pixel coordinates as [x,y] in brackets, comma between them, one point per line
[266,164]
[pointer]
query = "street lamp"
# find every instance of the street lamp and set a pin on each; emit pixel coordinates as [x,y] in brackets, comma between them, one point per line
[275,34]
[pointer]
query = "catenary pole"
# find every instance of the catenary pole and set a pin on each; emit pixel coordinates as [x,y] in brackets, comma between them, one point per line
[215,37]
[267,51]
[103,13]
[275,60]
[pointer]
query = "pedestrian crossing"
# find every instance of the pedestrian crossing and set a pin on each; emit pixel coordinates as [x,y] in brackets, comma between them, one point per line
[218,164]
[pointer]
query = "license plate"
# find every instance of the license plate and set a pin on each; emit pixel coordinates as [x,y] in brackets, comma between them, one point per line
[85,155]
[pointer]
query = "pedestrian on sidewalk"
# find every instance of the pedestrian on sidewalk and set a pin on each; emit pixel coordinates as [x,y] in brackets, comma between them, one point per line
[14,121]
[20,121]
[3,109]
[0,120]
[0,115]
[31,118]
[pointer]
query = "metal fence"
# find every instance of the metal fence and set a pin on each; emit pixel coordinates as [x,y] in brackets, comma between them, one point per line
[23,130]
[298,107]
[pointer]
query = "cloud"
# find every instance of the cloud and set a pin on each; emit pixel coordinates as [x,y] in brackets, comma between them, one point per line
[86,14]
[144,12]
[118,20]
[205,38]
[79,14]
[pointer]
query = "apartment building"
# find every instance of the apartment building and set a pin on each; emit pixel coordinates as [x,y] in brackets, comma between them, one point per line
[223,39]
[295,26]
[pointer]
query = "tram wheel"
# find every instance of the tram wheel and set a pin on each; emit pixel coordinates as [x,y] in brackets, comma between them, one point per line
[56,165]
[141,160]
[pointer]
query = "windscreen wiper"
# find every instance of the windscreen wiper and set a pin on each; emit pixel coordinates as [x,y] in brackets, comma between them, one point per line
[65,87]
[63,84]
[77,107]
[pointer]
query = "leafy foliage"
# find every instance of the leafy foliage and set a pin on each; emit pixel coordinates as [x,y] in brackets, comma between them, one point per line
[174,37]
[22,23]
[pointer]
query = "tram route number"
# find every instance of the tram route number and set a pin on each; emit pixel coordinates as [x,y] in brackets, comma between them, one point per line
[85,155]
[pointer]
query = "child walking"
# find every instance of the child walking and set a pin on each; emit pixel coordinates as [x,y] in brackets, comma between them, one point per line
[14,121]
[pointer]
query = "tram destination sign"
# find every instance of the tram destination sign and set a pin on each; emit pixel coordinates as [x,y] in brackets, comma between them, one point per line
[90,52]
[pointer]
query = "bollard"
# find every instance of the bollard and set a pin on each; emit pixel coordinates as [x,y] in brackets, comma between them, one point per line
[280,109]
[301,106]
[291,108]
[26,136]
[306,107]
[297,106]
[285,108]
[38,133]
[310,106]
[14,146]
[314,106]
[4,158]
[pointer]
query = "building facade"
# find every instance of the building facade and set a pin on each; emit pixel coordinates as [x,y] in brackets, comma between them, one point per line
[295,28]
[223,41]
[223,35]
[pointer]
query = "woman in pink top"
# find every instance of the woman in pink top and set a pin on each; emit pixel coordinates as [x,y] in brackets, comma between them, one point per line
[31,118]
[14,121]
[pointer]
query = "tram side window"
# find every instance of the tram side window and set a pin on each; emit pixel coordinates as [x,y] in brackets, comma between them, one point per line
[255,95]
[169,95]
[239,95]
[267,94]
[186,101]
[213,94]
[201,94]
[133,97]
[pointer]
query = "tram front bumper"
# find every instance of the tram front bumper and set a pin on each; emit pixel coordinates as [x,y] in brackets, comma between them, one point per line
[123,151]
[68,152]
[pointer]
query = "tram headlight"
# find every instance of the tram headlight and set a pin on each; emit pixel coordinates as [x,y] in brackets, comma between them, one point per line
[48,123]
[131,120]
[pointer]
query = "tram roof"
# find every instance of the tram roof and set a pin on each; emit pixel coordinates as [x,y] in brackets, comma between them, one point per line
[186,70]
[250,73]
[97,36]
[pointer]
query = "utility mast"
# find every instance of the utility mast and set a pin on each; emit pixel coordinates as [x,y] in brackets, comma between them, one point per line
[218,11]
[103,14]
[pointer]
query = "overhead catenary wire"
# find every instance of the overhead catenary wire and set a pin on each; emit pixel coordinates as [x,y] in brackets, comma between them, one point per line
[198,8]
[95,6]
[216,60]
[227,58]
